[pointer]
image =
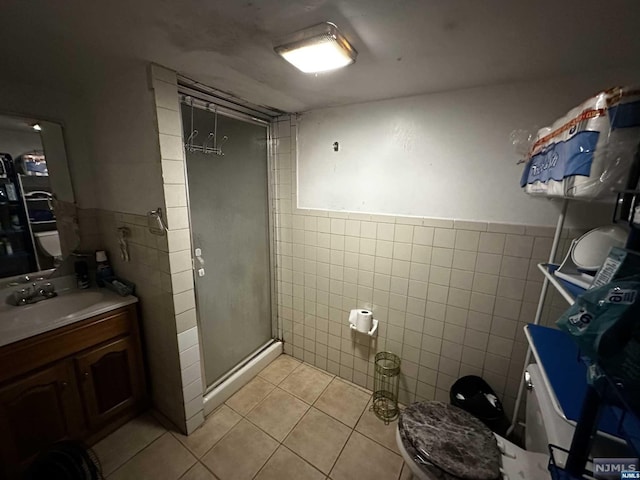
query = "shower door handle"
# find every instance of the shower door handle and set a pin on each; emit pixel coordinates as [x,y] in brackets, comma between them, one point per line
[198,255]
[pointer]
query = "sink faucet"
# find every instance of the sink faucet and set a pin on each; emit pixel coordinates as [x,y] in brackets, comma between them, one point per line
[33,294]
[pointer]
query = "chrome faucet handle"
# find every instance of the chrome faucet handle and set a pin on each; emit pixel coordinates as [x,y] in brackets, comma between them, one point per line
[47,290]
[22,296]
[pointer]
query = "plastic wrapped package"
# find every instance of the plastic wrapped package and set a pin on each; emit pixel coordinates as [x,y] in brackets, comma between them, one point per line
[588,152]
[605,324]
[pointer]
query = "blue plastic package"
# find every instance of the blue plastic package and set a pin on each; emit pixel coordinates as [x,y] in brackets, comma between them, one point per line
[605,323]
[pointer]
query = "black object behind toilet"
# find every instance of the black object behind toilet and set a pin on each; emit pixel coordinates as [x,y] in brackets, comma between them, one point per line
[473,394]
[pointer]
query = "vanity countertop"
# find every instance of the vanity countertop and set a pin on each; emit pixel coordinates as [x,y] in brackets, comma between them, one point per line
[70,306]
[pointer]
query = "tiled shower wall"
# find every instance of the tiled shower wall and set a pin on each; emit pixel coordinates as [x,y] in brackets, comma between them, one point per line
[165,302]
[451,296]
[159,265]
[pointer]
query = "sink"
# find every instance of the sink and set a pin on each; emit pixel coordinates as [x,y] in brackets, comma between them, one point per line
[20,322]
[62,305]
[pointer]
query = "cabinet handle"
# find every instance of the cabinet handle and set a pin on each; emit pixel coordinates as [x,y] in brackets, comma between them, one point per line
[64,385]
[86,375]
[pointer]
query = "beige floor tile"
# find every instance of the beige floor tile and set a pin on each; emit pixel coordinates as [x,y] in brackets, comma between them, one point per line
[278,370]
[343,402]
[278,413]
[318,439]
[213,429]
[374,428]
[250,395]
[406,473]
[241,453]
[364,458]
[286,465]
[306,383]
[114,450]
[198,472]
[165,458]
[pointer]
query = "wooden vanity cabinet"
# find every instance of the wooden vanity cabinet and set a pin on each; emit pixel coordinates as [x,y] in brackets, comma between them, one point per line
[38,410]
[81,381]
[109,381]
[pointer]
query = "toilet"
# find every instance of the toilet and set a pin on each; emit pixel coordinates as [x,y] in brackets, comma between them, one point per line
[439,441]
[49,243]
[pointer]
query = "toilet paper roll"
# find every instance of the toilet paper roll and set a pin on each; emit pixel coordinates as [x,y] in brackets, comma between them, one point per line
[361,319]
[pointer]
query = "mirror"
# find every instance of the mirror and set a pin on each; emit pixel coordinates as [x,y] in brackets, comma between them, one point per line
[38,223]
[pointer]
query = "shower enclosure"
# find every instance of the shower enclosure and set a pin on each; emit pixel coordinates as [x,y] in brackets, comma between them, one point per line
[227,175]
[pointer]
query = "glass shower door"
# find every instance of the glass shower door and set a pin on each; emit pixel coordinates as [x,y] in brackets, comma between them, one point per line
[228,201]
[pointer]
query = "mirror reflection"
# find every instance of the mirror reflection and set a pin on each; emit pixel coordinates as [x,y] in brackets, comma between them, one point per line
[38,226]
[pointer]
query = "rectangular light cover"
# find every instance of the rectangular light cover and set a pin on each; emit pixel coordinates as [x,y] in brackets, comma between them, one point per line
[318,49]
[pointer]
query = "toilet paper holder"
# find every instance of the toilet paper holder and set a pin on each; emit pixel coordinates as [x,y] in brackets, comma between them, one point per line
[362,321]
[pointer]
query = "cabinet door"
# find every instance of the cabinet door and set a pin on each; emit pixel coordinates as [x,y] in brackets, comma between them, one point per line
[37,411]
[110,380]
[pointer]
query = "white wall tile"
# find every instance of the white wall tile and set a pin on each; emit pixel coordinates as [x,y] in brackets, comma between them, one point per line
[186,320]
[444,237]
[175,195]
[425,279]
[463,260]
[442,257]
[518,246]
[161,73]
[488,263]
[177,218]
[191,374]
[485,283]
[479,321]
[194,422]
[178,240]
[180,261]
[182,281]
[189,356]
[187,339]
[403,233]
[421,254]
[169,122]
[467,240]
[184,301]
[192,408]
[166,95]
[423,236]
[492,243]
[171,148]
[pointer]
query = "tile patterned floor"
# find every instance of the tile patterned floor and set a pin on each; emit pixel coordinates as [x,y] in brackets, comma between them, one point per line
[292,421]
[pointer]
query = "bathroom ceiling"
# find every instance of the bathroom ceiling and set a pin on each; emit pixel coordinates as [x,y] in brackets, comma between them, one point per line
[405,46]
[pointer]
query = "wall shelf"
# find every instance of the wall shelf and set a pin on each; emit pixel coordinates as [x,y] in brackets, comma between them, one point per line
[568,291]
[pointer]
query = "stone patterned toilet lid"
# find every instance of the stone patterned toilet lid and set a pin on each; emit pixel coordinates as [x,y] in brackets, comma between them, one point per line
[451,439]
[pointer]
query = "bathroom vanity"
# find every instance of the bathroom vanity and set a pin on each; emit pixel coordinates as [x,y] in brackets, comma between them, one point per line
[80,379]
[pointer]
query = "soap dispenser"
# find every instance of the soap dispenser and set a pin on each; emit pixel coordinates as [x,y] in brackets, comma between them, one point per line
[103,269]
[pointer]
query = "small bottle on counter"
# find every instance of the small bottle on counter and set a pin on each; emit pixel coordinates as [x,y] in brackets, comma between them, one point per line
[82,274]
[103,269]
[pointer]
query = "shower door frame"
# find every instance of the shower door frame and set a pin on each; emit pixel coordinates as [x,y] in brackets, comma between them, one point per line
[255,116]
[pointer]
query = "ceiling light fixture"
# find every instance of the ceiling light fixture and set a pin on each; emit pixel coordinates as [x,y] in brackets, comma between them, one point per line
[36,127]
[320,48]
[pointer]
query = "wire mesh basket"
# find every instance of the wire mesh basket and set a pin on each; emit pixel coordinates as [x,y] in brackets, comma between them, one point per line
[386,382]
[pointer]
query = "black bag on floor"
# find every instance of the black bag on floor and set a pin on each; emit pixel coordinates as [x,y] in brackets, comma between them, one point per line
[67,460]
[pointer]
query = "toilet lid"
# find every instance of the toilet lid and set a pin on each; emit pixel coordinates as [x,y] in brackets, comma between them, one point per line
[451,439]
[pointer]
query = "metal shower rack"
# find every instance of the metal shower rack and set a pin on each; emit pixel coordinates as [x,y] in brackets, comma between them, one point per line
[206,146]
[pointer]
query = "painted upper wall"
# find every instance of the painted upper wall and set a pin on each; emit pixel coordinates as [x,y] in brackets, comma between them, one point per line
[442,155]
[125,149]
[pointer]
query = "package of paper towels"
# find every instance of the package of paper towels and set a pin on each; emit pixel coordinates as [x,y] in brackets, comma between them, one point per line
[587,153]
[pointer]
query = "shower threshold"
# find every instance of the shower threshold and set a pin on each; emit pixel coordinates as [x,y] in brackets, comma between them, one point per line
[216,394]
